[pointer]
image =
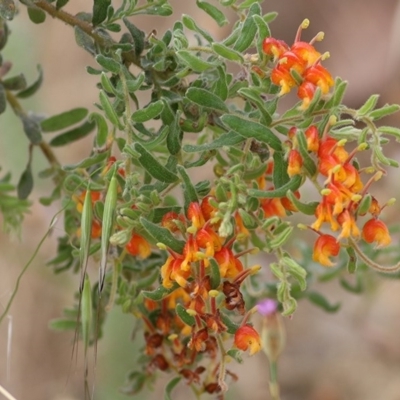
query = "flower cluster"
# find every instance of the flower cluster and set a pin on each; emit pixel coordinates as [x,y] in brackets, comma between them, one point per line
[344,196]
[202,285]
[298,65]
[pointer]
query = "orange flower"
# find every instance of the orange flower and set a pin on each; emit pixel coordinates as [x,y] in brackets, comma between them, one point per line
[312,137]
[94,195]
[207,239]
[295,163]
[324,213]
[138,246]
[172,272]
[247,338]
[348,224]
[273,207]
[170,219]
[306,52]
[229,265]
[195,214]
[274,47]
[306,92]
[325,246]
[319,76]
[375,230]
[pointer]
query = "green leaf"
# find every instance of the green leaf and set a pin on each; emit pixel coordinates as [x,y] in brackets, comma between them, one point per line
[308,162]
[87,162]
[280,175]
[36,15]
[194,62]
[3,99]
[189,190]
[162,235]
[390,130]
[152,111]
[248,3]
[62,324]
[297,271]
[102,128]
[250,129]
[191,24]
[73,134]
[17,82]
[100,11]
[217,15]
[215,274]
[184,316]
[263,32]
[204,98]
[61,3]
[292,185]
[175,134]
[32,129]
[160,293]
[356,288]
[368,106]
[171,385]
[249,29]
[352,260]
[153,167]
[304,208]
[236,354]
[226,139]
[25,184]
[227,53]
[109,110]
[32,89]
[86,313]
[384,111]
[85,41]
[7,9]
[63,120]
[254,96]
[319,300]
[109,63]
[137,35]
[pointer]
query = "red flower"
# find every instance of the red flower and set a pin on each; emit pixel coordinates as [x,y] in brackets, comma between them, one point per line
[247,338]
[325,246]
[375,230]
[295,163]
[138,246]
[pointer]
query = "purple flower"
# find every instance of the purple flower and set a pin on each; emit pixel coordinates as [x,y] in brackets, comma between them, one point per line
[267,307]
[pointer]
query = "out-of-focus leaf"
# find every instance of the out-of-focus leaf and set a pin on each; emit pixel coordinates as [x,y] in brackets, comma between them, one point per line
[32,129]
[7,9]
[25,184]
[32,89]
[73,134]
[217,15]
[36,15]
[17,82]
[63,120]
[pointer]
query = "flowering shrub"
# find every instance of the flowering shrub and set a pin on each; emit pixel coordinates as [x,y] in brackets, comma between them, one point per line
[172,249]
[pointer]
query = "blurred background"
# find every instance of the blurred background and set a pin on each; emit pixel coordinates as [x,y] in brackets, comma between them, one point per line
[351,355]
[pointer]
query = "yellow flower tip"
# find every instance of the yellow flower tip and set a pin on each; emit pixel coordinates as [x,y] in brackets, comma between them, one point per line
[254,269]
[391,201]
[305,24]
[192,229]
[200,256]
[254,250]
[341,142]
[362,147]
[369,170]
[283,60]
[161,246]
[303,227]
[332,120]
[191,312]
[325,192]
[215,220]
[325,56]
[213,293]
[378,176]
[320,36]
[336,169]
[356,198]
[172,337]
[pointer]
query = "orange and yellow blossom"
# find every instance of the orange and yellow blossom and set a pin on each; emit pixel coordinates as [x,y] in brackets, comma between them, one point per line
[247,338]
[325,246]
[138,246]
[375,230]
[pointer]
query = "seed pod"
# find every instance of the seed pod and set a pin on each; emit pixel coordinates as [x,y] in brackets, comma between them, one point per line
[86,231]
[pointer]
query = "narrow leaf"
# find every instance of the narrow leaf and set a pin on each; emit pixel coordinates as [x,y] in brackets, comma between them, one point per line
[292,185]
[3,99]
[251,129]
[184,316]
[73,134]
[149,112]
[85,41]
[206,99]
[160,293]
[25,184]
[188,188]
[304,208]
[63,120]
[153,166]
[217,15]
[102,128]
[171,385]
[249,29]
[226,139]
[137,35]
[162,235]
[86,313]
[32,89]
[86,233]
[319,300]
[194,62]
[100,11]
[109,63]
[109,110]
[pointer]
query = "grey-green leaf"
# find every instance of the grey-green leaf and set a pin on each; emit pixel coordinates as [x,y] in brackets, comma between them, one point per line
[63,120]
[149,112]
[32,89]
[227,139]
[100,11]
[7,9]
[32,129]
[17,82]
[25,184]
[206,99]
[194,62]
[108,63]
[73,134]
[217,15]
[250,129]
